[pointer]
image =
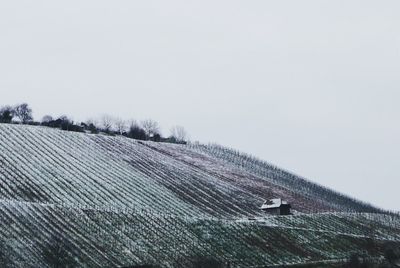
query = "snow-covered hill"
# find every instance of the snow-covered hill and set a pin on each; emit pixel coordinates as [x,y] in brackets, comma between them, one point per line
[101,201]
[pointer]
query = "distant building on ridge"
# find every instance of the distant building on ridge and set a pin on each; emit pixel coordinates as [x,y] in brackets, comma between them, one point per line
[276,206]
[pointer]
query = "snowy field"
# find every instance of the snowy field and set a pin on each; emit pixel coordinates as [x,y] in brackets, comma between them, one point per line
[101,201]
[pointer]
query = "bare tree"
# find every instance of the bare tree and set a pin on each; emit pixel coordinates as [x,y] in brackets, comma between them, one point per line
[107,123]
[120,125]
[23,112]
[151,127]
[179,133]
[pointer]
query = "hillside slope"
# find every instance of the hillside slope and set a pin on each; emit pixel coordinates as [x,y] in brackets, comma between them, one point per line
[111,201]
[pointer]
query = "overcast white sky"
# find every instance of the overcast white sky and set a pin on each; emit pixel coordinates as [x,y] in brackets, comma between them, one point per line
[312,86]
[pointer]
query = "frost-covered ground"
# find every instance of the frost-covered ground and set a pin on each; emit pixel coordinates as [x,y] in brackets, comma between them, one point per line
[101,201]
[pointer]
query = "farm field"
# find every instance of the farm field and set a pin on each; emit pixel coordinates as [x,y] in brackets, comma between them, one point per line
[103,201]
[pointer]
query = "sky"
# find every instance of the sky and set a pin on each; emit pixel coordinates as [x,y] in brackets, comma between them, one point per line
[311,86]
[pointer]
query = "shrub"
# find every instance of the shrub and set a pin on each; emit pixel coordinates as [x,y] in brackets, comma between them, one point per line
[6,114]
[136,132]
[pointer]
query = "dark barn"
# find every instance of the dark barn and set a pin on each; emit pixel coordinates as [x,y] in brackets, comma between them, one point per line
[276,206]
